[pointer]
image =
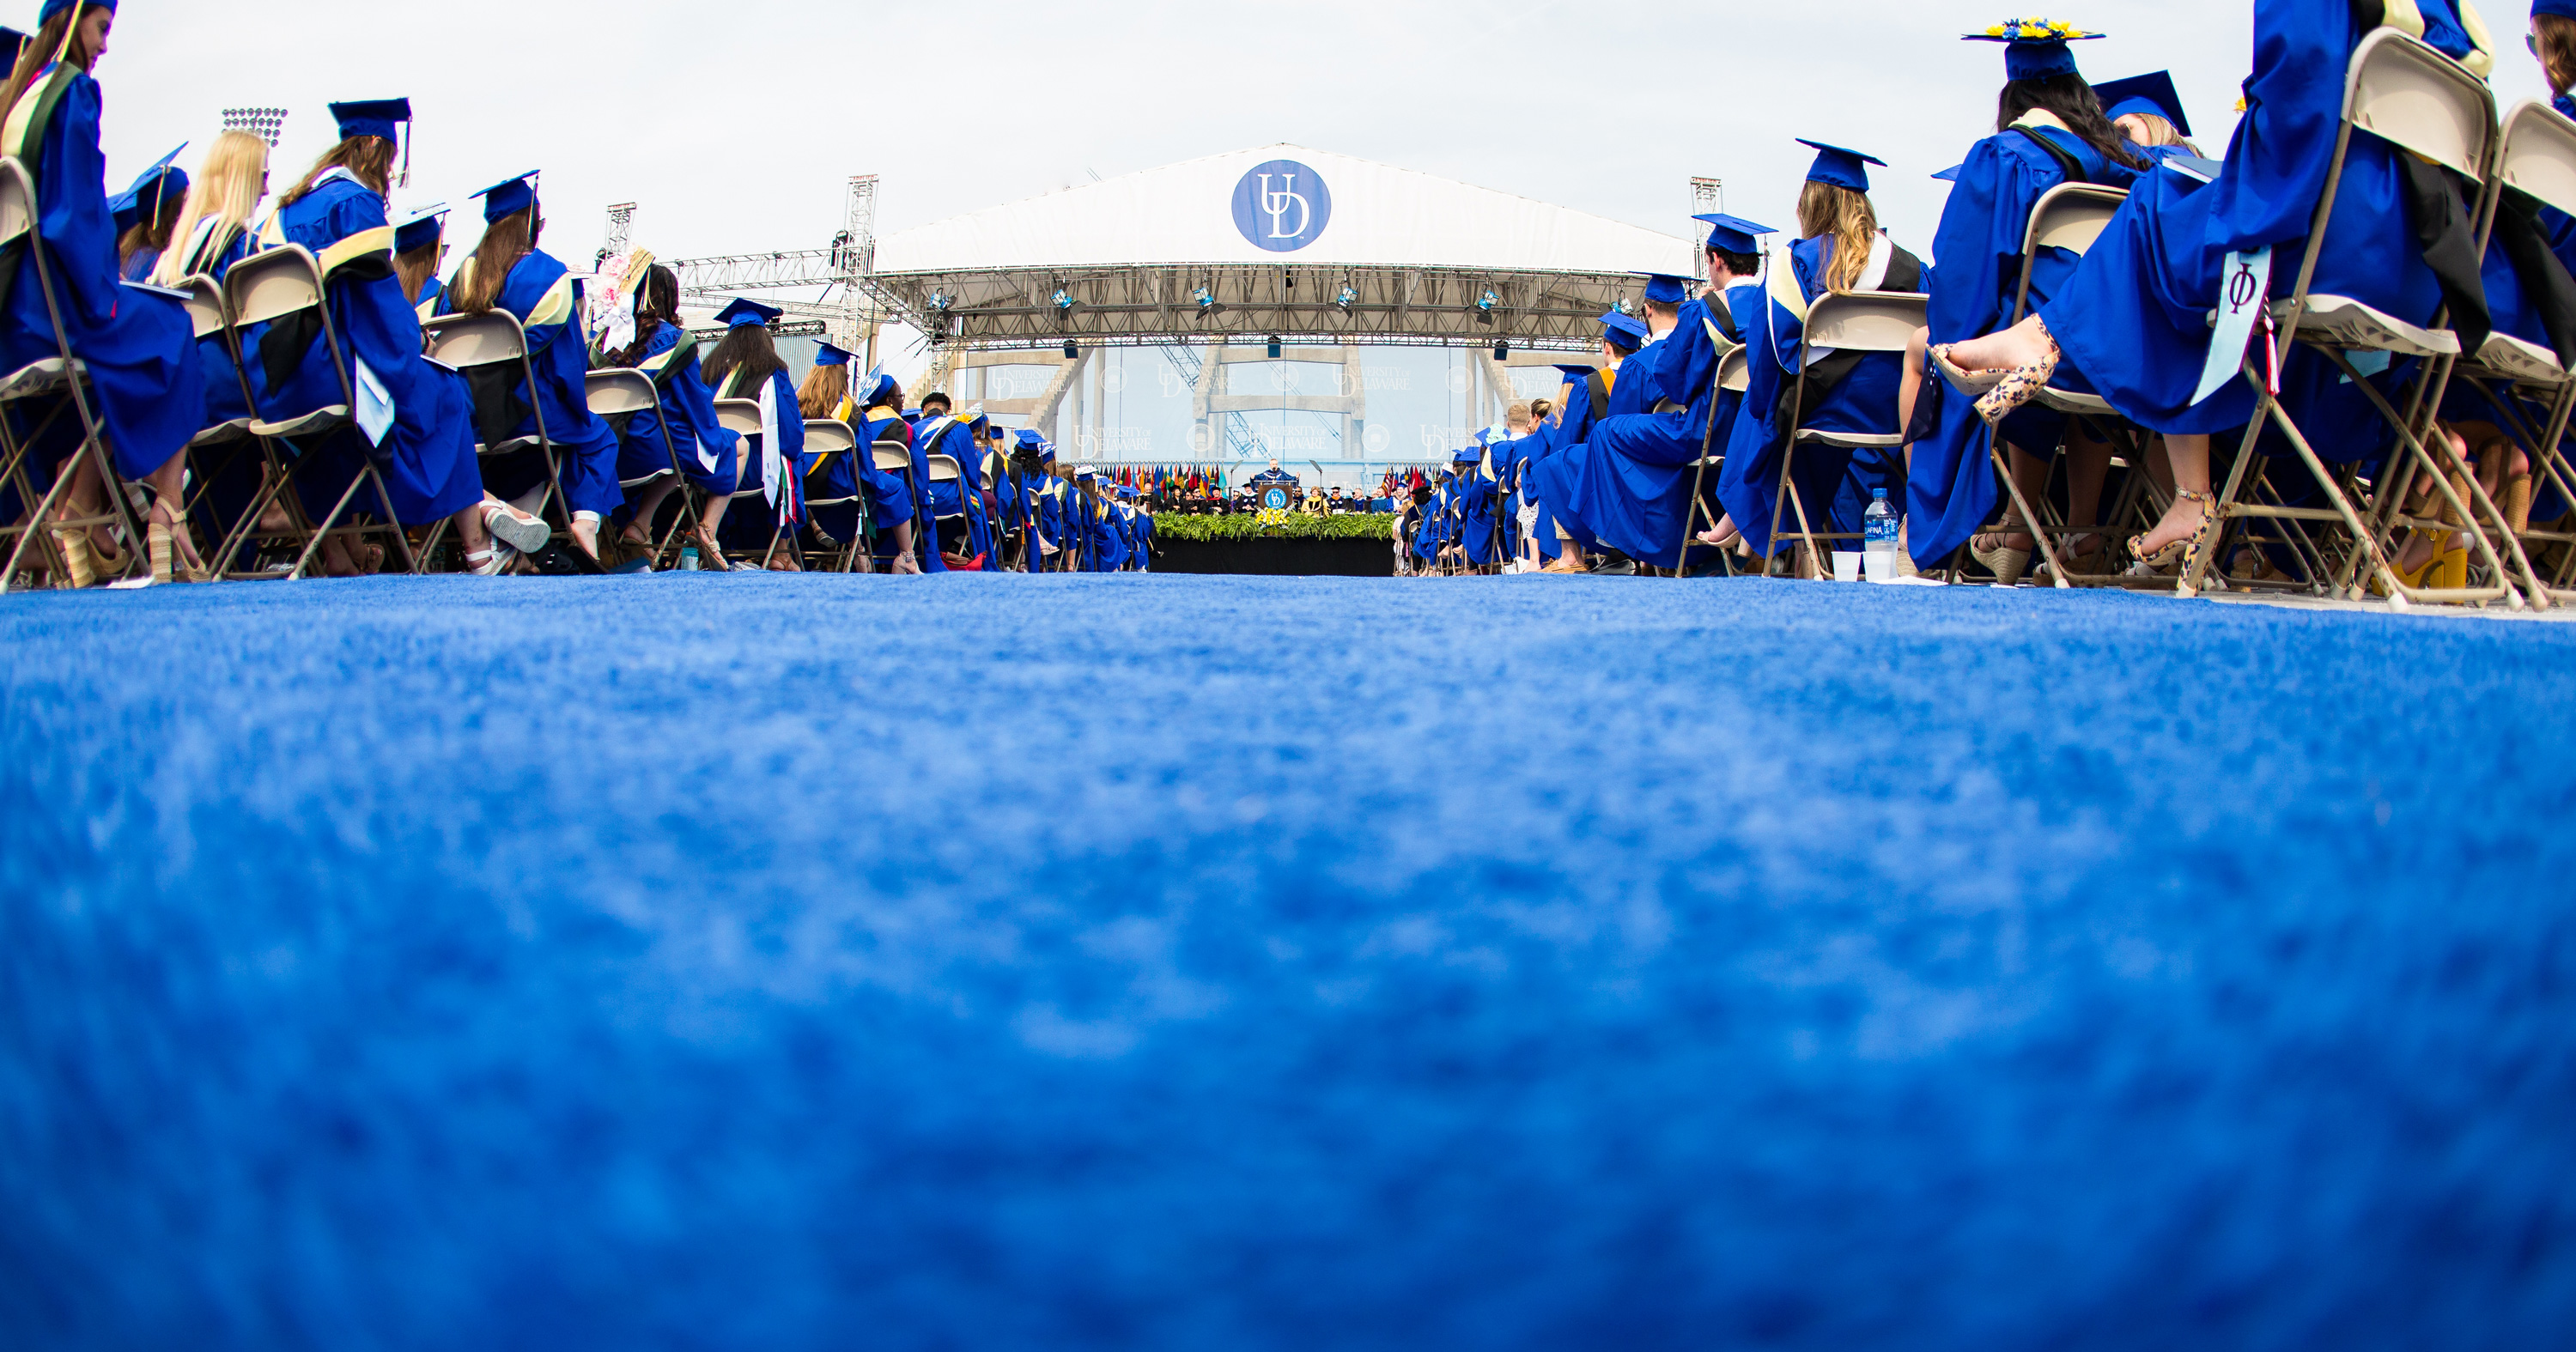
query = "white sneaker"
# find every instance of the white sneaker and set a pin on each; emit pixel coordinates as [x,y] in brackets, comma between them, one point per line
[516,529]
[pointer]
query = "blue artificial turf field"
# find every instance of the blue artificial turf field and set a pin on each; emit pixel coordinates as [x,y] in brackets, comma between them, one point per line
[1203,963]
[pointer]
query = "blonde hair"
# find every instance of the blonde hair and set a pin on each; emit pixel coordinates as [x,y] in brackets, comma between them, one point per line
[226,190]
[825,389]
[1519,412]
[2162,132]
[1824,209]
[477,285]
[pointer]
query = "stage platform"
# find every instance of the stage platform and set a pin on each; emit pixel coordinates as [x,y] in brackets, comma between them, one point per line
[1191,963]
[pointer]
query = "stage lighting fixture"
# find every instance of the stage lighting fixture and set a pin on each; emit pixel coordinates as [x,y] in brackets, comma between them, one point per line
[1063,301]
[1071,352]
[1485,306]
[1347,298]
[1502,351]
[1274,347]
[939,301]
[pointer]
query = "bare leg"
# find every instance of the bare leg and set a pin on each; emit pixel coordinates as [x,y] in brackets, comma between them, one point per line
[905,565]
[1909,387]
[2189,456]
[2024,344]
[2088,464]
[640,530]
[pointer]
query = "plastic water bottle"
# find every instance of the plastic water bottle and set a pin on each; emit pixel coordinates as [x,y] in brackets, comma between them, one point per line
[688,558]
[1879,526]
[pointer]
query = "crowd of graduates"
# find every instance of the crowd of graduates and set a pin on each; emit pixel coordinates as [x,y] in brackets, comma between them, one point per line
[1709,437]
[164,424]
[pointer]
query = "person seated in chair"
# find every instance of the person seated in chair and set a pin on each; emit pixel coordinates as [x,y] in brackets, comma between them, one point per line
[2133,319]
[146,215]
[509,272]
[708,452]
[1840,249]
[746,365]
[1551,476]
[336,211]
[875,411]
[140,349]
[2050,129]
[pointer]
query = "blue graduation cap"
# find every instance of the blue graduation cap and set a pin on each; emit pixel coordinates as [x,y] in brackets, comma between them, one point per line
[156,185]
[510,196]
[382,118]
[1733,234]
[1950,175]
[422,230]
[878,388]
[747,312]
[1665,289]
[2155,93]
[371,117]
[2035,49]
[12,40]
[53,7]
[1468,455]
[827,355]
[1028,439]
[1626,330]
[1579,374]
[2565,9]
[1839,167]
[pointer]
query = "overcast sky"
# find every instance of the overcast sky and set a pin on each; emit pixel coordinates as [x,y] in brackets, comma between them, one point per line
[735,125]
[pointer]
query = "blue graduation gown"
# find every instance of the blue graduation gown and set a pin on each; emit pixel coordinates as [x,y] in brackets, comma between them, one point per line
[890,502]
[1143,523]
[427,456]
[956,440]
[1631,482]
[541,292]
[1569,427]
[752,462]
[1749,483]
[2134,317]
[708,452]
[1474,494]
[140,348]
[1952,490]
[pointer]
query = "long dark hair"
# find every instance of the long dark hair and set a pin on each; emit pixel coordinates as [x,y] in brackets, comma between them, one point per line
[748,350]
[2073,101]
[152,232]
[657,302]
[505,242]
[40,50]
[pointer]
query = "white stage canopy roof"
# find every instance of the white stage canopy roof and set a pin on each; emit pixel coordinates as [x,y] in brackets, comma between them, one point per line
[1282,204]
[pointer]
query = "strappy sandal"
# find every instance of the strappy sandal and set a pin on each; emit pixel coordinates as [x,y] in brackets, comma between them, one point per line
[2020,385]
[2180,550]
[493,561]
[79,555]
[1965,381]
[2000,559]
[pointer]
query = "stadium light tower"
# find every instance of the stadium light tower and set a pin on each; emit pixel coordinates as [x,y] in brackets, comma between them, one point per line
[1708,197]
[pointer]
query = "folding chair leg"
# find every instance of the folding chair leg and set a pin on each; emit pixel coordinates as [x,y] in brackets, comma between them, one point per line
[2029,518]
[315,546]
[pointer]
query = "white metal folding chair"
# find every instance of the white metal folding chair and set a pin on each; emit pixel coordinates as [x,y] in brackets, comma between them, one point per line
[827,440]
[621,392]
[2535,156]
[278,284]
[944,469]
[224,444]
[1842,321]
[890,458]
[46,377]
[2424,103]
[1734,376]
[475,342]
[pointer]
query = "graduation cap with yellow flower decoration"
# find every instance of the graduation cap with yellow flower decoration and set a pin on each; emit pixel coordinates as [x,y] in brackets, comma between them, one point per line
[2035,49]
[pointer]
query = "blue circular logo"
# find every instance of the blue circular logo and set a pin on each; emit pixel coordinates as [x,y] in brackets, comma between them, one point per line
[1275,499]
[1282,206]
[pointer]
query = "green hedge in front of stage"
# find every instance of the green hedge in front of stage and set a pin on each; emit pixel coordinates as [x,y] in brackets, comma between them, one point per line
[1299,526]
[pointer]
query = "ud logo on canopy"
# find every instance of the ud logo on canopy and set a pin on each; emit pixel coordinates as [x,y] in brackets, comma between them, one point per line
[1282,206]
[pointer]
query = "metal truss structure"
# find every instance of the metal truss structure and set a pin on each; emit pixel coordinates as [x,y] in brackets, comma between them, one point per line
[1147,304]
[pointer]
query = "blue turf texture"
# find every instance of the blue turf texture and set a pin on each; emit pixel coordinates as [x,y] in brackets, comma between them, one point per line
[1194,963]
